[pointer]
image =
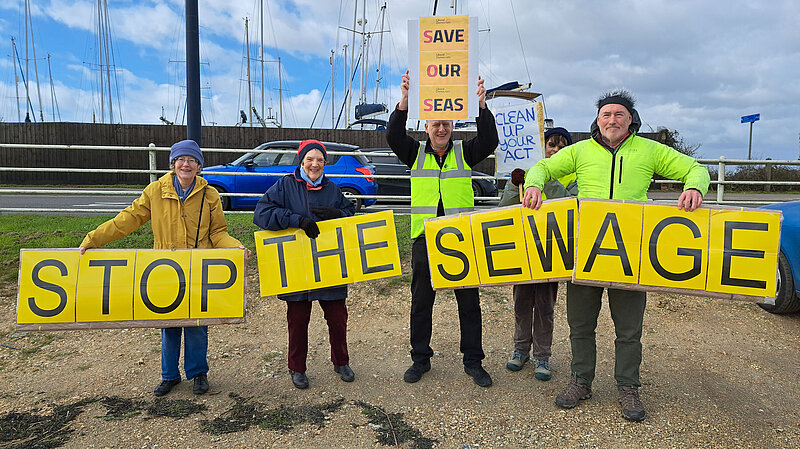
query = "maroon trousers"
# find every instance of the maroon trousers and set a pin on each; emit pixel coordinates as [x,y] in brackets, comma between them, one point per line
[298,315]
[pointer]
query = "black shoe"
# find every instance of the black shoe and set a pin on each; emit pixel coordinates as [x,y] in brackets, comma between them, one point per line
[200,383]
[479,375]
[415,371]
[345,373]
[165,386]
[299,379]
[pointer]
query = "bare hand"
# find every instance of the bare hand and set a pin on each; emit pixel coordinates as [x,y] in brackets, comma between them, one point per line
[481,93]
[532,198]
[82,249]
[404,86]
[690,200]
[247,253]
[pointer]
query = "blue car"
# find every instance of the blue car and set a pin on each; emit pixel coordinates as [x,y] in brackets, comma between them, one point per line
[284,163]
[787,298]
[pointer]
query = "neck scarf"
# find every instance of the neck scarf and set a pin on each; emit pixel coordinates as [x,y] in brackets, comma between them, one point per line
[308,180]
[182,193]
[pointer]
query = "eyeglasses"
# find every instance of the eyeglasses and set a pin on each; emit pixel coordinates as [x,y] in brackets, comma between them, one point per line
[187,160]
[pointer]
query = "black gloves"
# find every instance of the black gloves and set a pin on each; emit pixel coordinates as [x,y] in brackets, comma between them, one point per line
[326,212]
[518,176]
[308,225]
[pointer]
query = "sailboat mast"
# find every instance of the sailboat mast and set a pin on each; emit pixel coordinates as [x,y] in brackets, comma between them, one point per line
[280,93]
[353,48]
[363,96]
[100,63]
[261,11]
[333,101]
[27,61]
[35,66]
[380,52]
[346,77]
[53,100]
[247,52]
[16,75]
[106,28]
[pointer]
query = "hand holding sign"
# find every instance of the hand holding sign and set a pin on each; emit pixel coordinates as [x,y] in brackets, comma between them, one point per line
[532,198]
[481,93]
[690,200]
[404,85]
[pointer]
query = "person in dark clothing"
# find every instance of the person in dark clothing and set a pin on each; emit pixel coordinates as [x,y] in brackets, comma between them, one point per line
[441,184]
[299,200]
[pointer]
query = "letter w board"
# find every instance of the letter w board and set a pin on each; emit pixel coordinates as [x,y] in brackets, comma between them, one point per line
[109,289]
[719,251]
[443,67]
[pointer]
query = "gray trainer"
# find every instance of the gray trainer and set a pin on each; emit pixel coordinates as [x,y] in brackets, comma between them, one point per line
[517,361]
[632,407]
[542,370]
[573,393]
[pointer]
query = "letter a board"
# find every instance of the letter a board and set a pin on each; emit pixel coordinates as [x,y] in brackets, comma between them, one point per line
[609,240]
[443,67]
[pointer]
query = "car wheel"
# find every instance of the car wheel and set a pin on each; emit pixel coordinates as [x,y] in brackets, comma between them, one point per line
[476,190]
[226,201]
[348,193]
[786,300]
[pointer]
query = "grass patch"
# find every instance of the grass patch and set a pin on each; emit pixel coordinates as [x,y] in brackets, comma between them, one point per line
[180,408]
[37,341]
[39,231]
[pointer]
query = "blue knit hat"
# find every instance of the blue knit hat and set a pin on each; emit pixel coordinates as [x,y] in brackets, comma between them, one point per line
[186,148]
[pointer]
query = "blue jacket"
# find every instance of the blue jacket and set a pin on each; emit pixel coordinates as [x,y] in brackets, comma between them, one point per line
[291,198]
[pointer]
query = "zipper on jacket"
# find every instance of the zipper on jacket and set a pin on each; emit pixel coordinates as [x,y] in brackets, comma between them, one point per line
[620,170]
[611,189]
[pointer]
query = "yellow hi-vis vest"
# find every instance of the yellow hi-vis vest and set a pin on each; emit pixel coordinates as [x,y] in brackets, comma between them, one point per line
[452,183]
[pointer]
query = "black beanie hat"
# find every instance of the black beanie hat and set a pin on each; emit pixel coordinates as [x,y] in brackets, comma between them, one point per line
[308,145]
[621,97]
[560,131]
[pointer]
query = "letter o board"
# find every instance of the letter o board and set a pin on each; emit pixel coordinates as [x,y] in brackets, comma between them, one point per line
[161,285]
[609,240]
[47,286]
[451,254]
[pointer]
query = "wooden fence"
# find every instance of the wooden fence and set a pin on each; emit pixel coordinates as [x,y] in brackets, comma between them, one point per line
[53,133]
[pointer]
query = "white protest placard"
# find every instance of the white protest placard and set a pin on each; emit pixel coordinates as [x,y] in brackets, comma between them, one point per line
[443,67]
[521,132]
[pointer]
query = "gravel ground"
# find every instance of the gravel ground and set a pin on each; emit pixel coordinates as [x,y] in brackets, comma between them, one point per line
[716,374]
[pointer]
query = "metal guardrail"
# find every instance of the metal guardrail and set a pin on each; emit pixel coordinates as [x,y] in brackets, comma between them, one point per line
[721,163]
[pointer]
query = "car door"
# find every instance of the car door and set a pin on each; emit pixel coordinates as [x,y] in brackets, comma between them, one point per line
[266,163]
[391,165]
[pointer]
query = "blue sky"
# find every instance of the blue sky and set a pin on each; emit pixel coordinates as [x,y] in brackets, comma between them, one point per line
[694,66]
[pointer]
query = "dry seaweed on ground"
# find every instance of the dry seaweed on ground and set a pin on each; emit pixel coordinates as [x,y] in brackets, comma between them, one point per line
[178,408]
[391,430]
[244,414]
[121,408]
[29,430]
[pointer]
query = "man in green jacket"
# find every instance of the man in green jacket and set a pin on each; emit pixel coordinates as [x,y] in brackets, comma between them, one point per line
[614,164]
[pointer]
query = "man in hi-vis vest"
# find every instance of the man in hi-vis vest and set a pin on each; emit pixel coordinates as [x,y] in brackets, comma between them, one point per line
[441,184]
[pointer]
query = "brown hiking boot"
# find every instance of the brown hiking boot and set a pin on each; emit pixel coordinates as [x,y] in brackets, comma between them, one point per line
[632,407]
[573,393]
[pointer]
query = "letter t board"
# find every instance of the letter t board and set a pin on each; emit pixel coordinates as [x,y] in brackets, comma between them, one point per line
[609,240]
[443,67]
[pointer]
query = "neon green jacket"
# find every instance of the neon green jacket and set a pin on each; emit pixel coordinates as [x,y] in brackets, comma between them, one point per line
[623,174]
